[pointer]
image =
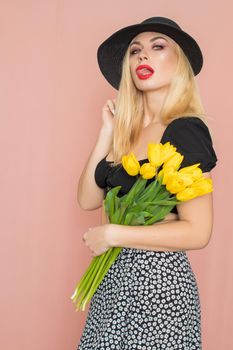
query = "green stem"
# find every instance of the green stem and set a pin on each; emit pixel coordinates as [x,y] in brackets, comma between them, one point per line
[113,253]
[87,271]
[87,274]
[86,281]
[89,279]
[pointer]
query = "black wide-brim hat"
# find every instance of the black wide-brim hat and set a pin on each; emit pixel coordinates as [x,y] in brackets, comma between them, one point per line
[111,52]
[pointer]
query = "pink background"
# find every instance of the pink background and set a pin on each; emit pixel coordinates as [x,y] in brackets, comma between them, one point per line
[51,97]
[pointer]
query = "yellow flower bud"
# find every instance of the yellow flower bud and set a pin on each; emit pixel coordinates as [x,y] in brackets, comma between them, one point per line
[203,186]
[155,156]
[167,151]
[174,161]
[197,188]
[193,170]
[186,194]
[178,182]
[167,174]
[147,171]
[130,164]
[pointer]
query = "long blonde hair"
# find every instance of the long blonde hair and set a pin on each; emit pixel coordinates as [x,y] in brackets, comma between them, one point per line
[183,99]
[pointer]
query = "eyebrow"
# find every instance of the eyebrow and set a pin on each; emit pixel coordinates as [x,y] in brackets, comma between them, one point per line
[151,40]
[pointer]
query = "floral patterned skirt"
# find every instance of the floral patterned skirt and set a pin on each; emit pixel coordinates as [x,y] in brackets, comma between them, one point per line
[148,300]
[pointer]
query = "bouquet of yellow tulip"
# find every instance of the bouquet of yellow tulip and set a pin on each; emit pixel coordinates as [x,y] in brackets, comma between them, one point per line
[143,205]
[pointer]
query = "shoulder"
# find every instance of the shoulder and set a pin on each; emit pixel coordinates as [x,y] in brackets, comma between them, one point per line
[191,137]
[187,123]
[190,131]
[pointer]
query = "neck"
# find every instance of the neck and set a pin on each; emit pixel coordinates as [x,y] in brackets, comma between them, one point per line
[152,103]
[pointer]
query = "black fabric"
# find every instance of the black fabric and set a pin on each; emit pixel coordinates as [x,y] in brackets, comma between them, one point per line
[189,135]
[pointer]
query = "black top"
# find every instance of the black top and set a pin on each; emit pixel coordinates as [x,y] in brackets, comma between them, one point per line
[189,135]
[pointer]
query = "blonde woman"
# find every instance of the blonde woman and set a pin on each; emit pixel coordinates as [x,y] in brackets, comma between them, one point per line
[149,298]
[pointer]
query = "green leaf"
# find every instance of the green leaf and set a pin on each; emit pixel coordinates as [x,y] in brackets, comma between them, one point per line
[128,218]
[149,191]
[153,209]
[162,202]
[115,217]
[160,215]
[109,201]
[117,202]
[138,220]
[137,187]
[138,207]
[135,218]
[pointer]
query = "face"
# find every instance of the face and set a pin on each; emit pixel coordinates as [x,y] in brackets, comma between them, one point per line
[159,54]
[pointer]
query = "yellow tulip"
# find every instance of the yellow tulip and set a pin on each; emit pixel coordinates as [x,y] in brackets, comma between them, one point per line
[193,170]
[147,171]
[174,161]
[178,182]
[130,164]
[198,188]
[167,151]
[167,173]
[155,155]
[203,185]
[186,194]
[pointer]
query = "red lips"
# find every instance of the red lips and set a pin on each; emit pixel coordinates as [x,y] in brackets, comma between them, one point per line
[145,66]
[141,74]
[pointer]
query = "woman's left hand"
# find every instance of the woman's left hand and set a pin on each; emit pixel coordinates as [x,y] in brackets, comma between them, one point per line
[97,239]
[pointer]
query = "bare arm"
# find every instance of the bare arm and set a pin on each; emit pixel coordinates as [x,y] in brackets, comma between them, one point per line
[192,230]
[90,195]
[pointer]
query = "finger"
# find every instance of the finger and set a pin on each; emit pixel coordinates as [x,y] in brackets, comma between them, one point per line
[112,109]
[111,106]
[113,103]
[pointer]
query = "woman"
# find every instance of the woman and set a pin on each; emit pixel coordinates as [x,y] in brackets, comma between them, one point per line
[149,298]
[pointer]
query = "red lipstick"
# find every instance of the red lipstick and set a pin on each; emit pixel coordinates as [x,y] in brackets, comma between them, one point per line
[144,71]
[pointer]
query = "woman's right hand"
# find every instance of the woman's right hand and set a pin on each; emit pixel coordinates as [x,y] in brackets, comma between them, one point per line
[108,111]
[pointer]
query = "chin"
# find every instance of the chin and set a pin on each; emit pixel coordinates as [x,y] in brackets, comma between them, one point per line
[150,86]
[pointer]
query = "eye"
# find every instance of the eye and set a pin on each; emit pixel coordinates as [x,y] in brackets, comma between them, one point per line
[158,46]
[132,52]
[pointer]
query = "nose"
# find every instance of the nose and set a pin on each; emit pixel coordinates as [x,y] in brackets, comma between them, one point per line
[142,55]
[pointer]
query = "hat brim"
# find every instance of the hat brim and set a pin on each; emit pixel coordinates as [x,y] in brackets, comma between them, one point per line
[111,52]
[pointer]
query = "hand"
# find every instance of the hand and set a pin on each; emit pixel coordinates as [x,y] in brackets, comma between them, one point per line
[108,112]
[97,239]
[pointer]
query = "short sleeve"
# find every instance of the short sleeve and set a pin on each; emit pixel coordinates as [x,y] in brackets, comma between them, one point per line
[191,137]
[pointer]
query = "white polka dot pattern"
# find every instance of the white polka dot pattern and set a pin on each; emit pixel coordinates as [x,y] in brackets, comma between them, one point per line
[148,300]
